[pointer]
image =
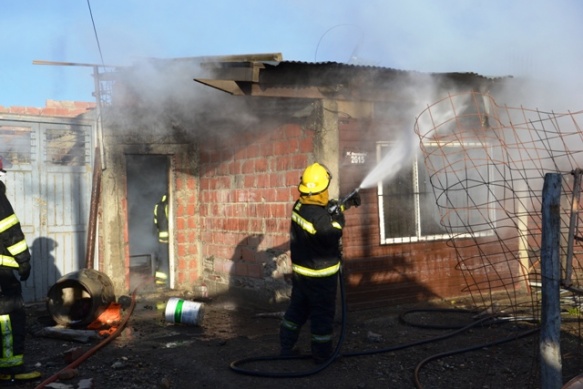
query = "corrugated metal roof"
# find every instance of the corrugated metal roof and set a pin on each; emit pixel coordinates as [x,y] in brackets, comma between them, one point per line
[340,65]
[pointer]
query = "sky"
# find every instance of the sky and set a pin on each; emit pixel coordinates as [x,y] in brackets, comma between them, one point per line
[534,38]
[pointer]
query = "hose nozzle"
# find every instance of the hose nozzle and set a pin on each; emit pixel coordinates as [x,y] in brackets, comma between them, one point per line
[340,206]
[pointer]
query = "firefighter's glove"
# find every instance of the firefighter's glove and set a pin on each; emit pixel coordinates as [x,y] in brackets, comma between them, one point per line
[24,271]
[339,218]
[333,207]
[353,201]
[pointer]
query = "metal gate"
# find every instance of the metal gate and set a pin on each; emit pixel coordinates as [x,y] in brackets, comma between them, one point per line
[48,181]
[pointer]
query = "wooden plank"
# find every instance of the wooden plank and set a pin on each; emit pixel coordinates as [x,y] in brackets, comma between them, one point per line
[550,342]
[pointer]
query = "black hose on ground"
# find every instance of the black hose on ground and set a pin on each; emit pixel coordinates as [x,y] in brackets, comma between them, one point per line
[397,347]
[464,350]
[236,366]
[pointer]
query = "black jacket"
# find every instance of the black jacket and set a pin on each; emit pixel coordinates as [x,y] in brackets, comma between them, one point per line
[315,237]
[11,235]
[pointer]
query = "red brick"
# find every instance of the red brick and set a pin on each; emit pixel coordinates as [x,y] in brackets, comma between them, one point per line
[260,165]
[255,270]
[293,131]
[306,145]
[254,150]
[281,148]
[261,181]
[248,167]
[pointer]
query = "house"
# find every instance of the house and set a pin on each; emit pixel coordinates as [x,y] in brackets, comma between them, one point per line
[228,138]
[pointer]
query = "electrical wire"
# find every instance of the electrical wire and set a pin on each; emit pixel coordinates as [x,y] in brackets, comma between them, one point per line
[353,54]
[95,32]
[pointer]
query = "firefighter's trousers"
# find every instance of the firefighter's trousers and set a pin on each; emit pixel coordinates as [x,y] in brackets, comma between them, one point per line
[312,298]
[12,320]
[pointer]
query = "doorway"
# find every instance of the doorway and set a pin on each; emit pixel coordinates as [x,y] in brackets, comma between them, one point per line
[147,183]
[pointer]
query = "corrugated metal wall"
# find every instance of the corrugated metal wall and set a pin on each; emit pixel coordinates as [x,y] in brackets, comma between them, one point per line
[49,185]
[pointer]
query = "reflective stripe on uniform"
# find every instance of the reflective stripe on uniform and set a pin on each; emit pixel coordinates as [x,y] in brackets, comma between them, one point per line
[161,278]
[8,222]
[316,273]
[306,225]
[321,338]
[7,261]
[8,358]
[337,225]
[290,325]
[18,248]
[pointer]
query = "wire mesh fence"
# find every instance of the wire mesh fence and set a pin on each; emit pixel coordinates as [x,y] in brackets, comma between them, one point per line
[486,164]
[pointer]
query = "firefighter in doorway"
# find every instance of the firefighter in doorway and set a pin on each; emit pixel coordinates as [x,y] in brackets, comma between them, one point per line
[315,255]
[14,256]
[161,223]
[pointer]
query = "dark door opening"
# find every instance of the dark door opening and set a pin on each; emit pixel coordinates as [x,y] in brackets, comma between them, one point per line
[147,182]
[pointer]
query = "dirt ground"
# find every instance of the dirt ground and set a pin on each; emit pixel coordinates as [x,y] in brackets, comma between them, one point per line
[235,347]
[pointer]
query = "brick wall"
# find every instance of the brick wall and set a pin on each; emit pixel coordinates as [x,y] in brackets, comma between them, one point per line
[247,187]
[185,203]
[378,275]
[53,108]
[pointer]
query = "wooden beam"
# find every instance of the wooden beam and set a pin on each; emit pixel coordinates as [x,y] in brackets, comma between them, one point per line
[57,63]
[228,86]
[245,71]
[550,337]
[265,57]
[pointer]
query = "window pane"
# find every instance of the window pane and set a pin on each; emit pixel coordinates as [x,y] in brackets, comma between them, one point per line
[66,146]
[429,212]
[462,187]
[16,145]
[399,205]
[453,200]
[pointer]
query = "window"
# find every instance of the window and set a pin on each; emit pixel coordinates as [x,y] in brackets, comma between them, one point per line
[455,200]
[16,145]
[67,146]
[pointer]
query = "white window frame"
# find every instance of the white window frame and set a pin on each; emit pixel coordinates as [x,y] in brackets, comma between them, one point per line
[417,202]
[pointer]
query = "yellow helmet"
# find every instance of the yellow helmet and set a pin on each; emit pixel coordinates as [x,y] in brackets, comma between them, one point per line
[315,179]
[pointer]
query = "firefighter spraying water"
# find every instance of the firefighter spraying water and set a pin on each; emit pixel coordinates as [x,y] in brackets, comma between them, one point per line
[316,229]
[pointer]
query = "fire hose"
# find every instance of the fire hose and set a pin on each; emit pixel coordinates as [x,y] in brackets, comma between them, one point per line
[237,365]
[95,348]
[336,208]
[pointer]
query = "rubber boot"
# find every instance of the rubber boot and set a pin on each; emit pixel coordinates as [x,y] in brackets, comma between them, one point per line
[287,342]
[18,373]
[321,352]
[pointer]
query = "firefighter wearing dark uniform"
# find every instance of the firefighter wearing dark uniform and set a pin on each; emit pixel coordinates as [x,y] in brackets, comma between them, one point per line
[14,256]
[315,255]
[161,223]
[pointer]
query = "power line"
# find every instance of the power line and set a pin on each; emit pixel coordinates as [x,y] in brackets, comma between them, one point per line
[95,31]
